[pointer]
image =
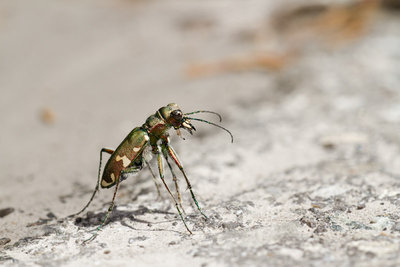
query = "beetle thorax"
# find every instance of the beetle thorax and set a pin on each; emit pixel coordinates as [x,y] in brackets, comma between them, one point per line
[156,126]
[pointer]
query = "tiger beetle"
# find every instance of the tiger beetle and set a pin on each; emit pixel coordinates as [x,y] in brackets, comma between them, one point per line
[135,152]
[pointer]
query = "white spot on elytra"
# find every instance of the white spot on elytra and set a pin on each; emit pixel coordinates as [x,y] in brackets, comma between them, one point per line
[146,137]
[136,149]
[125,160]
[104,183]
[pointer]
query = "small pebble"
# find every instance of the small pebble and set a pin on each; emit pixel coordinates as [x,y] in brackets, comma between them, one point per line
[47,116]
[4,241]
[6,211]
[51,215]
[134,239]
[239,212]
[361,206]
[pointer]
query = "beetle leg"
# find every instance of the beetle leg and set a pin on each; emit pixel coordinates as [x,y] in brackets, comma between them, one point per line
[110,209]
[161,171]
[154,178]
[109,151]
[174,156]
[128,170]
[165,153]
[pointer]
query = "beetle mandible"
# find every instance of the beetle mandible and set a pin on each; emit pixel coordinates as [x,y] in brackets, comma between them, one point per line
[129,157]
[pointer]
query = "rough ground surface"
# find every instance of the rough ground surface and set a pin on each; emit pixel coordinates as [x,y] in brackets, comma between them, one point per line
[313,177]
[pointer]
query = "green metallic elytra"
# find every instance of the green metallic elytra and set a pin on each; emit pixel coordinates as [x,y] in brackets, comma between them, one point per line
[129,156]
[124,156]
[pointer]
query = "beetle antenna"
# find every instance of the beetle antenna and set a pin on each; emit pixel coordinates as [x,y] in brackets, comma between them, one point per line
[205,111]
[216,125]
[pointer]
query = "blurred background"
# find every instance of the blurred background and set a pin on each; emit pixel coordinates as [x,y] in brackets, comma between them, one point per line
[76,76]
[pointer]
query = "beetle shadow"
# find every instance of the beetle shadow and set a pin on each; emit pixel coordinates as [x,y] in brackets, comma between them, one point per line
[95,219]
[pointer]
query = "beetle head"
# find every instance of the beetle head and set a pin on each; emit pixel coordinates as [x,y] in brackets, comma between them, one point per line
[174,116]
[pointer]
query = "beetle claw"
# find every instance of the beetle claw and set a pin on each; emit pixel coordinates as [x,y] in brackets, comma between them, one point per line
[178,133]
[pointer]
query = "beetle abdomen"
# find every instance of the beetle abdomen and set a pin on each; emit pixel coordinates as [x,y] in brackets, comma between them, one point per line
[124,156]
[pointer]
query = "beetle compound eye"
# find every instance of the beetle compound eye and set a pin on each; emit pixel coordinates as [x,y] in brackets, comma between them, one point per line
[177,114]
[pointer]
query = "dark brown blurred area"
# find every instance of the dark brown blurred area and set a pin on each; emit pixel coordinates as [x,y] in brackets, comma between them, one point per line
[297,28]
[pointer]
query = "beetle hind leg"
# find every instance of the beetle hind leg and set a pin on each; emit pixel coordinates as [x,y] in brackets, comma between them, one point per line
[109,211]
[132,169]
[96,189]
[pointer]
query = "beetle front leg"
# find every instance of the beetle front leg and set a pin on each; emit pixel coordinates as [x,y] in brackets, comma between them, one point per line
[165,153]
[161,171]
[109,151]
[174,156]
